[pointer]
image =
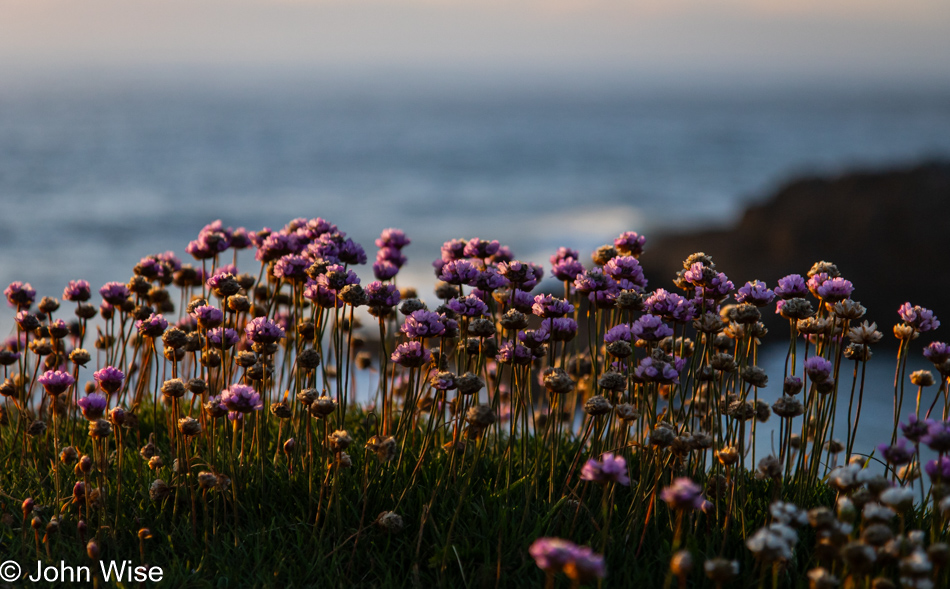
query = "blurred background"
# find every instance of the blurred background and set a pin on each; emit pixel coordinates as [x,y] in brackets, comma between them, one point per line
[125,126]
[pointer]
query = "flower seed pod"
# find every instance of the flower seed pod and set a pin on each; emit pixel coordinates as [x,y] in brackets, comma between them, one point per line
[158,490]
[557,381]
[389,522]
[100,429]
[383,446]
[68,455]
[468,383]
[662,435]
[36,428]
[597,405]
[308,359]
[85,465]
[173,388]
[155,462]
[322,407]
[207,480]
[612,381]
[627,412]
[728,455]
[682,563]
[281,409]
[769,468]
[340,440]
[308,396]
[720,570]
[480,417]
[755,376]
[189,427]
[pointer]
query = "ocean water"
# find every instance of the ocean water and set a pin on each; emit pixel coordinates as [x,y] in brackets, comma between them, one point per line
[96,175]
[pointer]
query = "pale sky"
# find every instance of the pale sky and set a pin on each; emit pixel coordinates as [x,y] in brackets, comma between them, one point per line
[869,38]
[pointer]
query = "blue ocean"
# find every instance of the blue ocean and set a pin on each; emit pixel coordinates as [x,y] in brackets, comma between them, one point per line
[96,174]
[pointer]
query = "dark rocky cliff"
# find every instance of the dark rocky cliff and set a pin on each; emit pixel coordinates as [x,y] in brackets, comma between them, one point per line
[888,232]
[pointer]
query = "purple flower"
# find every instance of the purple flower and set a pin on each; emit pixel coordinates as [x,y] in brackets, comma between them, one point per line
[626,268]
[756,293]
[617,333]
[114,293]
[502,255]
[668,304]
[170,259]
[410,354]
[78,291]
[939,469]
[548,306]
[468,306]
[534,338]
[292,267]
[552,554]
[323,248]
[392,238]
[352,253]
[314,228]
[423,324]
[564,253]
[26,320]
[442,381]
[650,328]
[512,353]
[20,294]
[594,280]
[489,280]
[521,301]
[683,494]
[228,336]
[275,246]
[480,249]
[453,250]
[208,317]
[154,326]
[521,275]
[630,243]
[384,270]
[241,399]
[337,277]
[611,469]
[56,382]
[937,352]
[562,329]
[898,454]
[650,369]
[109,378]
[392,255]
[918,317]
[458,272]
[567,270]
[262,330]
[790,287]
[240,239]
[938,436]
[818,369]
[322,295]
[835,289]
[381,295]
[92,406]
[914,429]
[815,281]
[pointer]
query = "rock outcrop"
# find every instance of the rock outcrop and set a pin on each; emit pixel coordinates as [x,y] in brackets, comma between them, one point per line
[887,231]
